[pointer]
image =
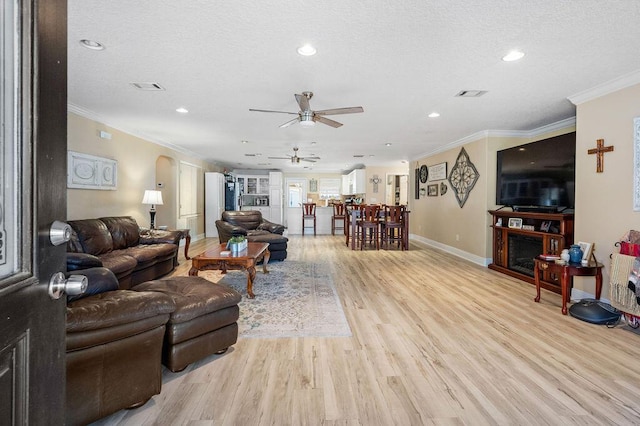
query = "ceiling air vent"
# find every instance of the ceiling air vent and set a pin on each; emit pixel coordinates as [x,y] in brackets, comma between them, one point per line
[470,93]
[358,156]
[148,86]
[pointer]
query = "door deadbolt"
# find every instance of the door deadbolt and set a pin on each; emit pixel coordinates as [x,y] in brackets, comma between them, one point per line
[74,285]
[59,233]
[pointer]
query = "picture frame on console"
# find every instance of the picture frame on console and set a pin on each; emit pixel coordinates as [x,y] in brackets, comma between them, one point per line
[544,226]
[587,250]
[515,223]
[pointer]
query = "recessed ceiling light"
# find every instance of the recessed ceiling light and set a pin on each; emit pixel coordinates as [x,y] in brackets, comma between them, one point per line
[182,110]
[313,143]
[244,141]
[434,115]
[90,44]
[514,55]
[307,50]
[387,144]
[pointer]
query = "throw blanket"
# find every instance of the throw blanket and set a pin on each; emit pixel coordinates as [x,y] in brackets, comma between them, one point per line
[622,297]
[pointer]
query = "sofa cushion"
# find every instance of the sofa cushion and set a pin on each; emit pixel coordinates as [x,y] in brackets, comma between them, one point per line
[157,251]
[93,235]
[114,315]
[124,230]
[118,262]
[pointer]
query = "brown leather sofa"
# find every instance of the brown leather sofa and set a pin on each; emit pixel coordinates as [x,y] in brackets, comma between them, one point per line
[114,347]
[116,244]
[255,228]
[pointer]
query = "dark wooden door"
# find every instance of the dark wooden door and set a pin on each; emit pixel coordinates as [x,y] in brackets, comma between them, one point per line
[32,195]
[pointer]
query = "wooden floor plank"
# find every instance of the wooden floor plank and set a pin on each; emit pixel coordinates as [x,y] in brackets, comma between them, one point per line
[436,340]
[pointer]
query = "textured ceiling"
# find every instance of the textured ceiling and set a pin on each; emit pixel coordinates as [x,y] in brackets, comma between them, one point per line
[399,60]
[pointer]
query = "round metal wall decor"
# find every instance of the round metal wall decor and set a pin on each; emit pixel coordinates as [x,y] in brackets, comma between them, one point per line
[424,173]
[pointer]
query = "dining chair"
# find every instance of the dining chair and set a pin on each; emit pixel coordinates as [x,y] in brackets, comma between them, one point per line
[369,223]
[392,226]
[338,214]
[308,213]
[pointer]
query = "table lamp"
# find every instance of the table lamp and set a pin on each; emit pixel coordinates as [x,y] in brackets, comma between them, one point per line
[154,198]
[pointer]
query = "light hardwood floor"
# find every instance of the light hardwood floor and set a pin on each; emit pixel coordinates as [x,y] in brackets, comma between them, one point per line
[436,340]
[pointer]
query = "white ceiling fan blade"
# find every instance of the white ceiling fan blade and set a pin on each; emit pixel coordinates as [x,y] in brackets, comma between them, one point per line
[303,101]
[309,160]
[269,110]
[336,111]
[326,121]
[289,123]
[279,158]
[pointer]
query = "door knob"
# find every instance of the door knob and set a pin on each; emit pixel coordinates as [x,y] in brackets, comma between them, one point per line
[74,285]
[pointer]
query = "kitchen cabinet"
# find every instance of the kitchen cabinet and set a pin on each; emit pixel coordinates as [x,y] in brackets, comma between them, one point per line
[344,189]
[214,202]
[356,182]
[253,185]
[275,197]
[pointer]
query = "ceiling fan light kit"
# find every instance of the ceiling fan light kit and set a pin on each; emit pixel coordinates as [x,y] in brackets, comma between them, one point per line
[307,117]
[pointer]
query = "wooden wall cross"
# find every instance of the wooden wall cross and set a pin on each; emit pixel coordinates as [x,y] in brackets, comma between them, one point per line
[599,151]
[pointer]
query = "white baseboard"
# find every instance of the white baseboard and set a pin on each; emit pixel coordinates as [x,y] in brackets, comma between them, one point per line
[452,250]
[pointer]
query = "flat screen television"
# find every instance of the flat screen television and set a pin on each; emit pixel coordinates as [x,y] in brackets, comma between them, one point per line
[538,175]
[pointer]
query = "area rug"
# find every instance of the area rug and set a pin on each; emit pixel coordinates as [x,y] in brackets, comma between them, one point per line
[295,299]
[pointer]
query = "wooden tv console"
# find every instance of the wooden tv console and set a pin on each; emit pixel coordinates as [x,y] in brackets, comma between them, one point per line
[514,248]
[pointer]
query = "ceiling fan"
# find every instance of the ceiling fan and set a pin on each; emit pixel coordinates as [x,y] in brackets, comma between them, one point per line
[295,159]
[307,117]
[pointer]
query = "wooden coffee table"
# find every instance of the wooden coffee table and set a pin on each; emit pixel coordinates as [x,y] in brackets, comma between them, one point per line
[216,259]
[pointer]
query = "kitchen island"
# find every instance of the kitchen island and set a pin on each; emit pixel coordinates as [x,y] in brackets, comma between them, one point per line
[293,221]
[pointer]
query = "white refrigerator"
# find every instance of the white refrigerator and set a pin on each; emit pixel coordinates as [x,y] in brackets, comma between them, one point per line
[213,201]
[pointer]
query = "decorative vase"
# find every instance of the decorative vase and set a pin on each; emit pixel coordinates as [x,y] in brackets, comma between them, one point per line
[565,255]
[575,254]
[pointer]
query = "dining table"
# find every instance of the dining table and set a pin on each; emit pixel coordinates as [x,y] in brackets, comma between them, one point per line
[353,216]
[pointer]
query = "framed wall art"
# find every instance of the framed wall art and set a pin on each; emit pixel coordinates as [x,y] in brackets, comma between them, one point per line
[86,171]
[432,190]
[438,171]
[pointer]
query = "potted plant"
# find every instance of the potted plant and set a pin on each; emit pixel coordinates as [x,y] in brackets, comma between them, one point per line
[237,243]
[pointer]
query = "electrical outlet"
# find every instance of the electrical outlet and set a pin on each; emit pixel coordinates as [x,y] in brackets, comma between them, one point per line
[457,237]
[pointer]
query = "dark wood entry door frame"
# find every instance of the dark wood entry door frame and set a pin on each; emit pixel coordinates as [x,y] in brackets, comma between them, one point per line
[33,153]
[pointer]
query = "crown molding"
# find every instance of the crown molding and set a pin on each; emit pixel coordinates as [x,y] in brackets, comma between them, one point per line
[91,115]
[524,134]
[605,88]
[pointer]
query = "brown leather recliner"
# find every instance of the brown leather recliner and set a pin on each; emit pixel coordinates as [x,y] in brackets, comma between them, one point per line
[251,224]
[114,347]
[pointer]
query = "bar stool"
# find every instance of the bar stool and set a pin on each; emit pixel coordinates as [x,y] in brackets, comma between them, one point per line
[308,213]
[338,214]
[392,226]
[369,220]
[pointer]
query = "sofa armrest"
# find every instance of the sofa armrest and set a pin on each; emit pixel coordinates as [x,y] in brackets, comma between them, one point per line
[274,228]
[160,237]
[99,281]
[76,261]
[227,230]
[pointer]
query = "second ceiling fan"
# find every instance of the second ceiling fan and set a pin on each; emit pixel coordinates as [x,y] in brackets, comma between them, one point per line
[295,159]
[306,116]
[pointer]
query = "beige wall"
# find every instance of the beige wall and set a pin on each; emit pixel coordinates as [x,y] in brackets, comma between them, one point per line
[138,162]
[441,222]
[381,172]
[604,201]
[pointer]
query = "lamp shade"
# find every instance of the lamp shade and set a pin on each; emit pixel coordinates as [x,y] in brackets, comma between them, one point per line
[152,197]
